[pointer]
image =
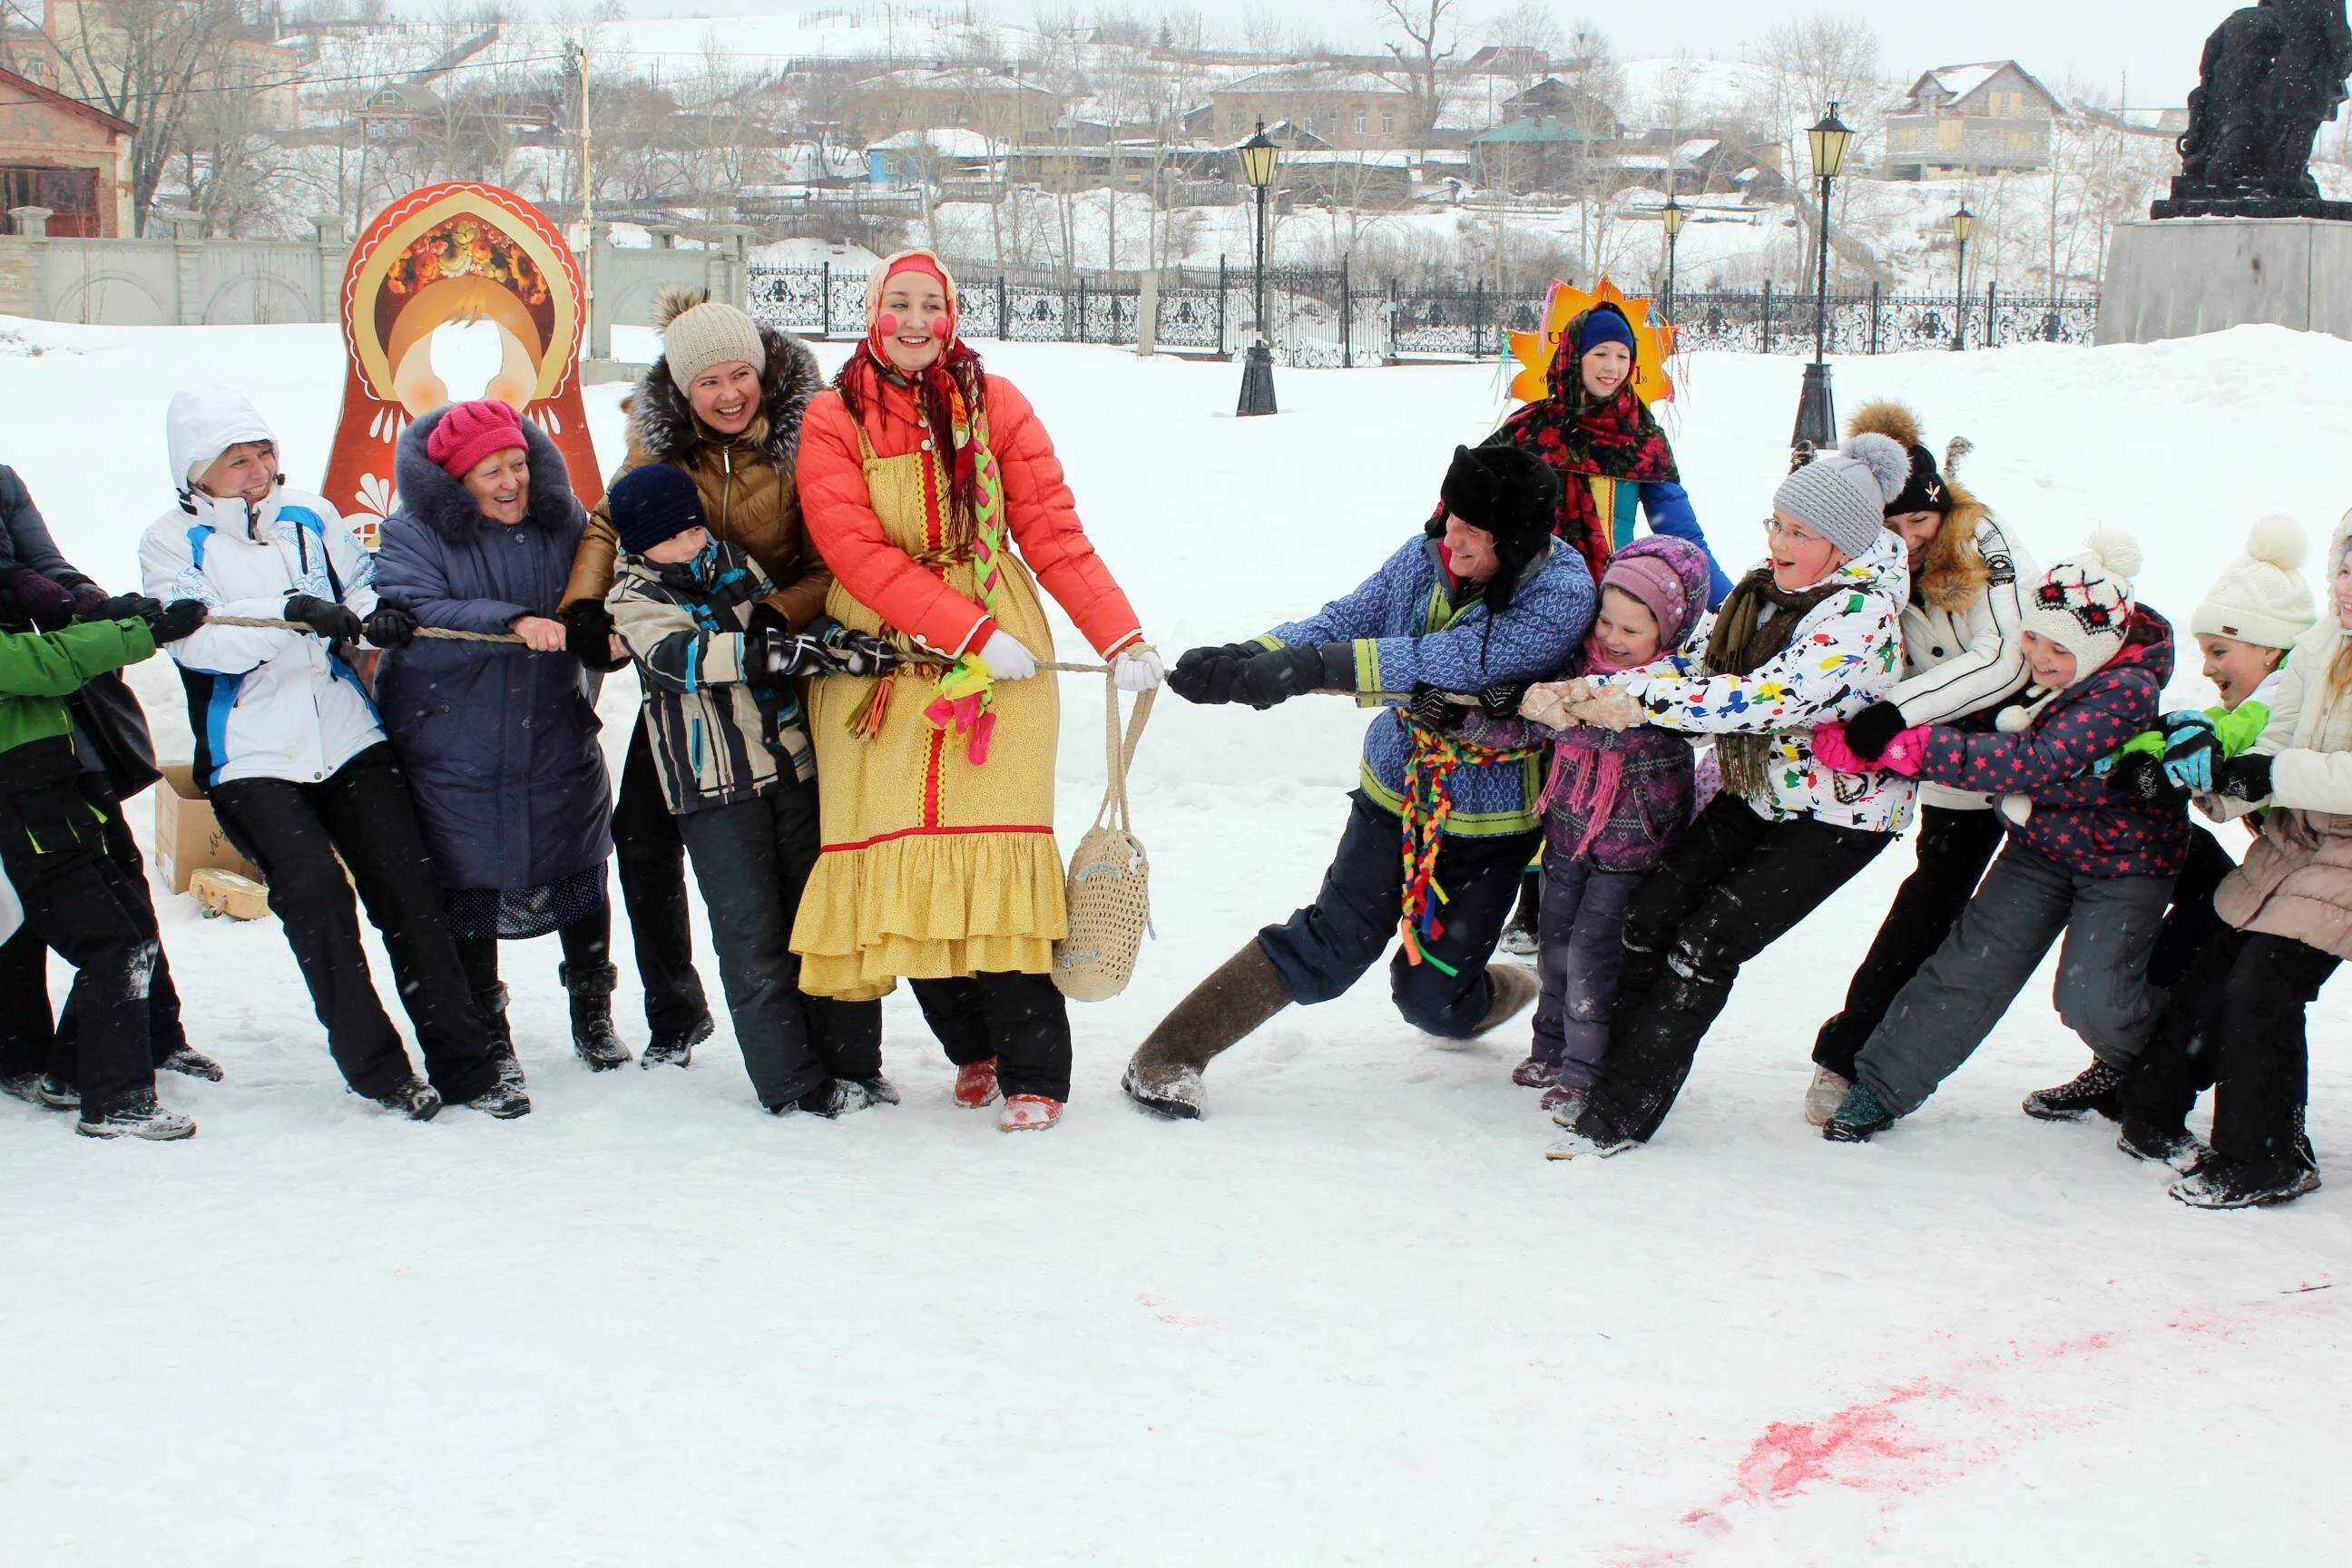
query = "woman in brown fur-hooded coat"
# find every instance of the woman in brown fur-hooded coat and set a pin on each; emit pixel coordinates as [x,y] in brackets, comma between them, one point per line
[1961,659]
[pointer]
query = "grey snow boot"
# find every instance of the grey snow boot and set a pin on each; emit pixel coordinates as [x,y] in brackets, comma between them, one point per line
[1164,1076]
[593,1039]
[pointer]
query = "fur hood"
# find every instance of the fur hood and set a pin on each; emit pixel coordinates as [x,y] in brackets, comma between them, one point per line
[428,494]
[662,425]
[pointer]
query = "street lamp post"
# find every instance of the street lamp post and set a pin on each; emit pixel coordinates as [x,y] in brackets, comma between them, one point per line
[1259,158]
[1816,412]
[1672,218]
[1964,224]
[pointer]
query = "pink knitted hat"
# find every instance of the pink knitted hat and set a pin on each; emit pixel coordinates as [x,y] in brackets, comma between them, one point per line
[470,432]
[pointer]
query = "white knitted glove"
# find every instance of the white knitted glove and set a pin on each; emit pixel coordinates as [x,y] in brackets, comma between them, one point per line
[1006,658]
[1137,669]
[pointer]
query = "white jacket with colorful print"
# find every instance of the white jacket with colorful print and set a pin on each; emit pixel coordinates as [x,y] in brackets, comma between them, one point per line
[1845,654]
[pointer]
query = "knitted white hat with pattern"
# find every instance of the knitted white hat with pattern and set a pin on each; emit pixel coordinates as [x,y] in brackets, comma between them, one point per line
[2085,602]
[1842,495]
[2261,597]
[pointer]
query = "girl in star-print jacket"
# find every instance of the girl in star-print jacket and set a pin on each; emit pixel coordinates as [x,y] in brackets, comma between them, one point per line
[2080,860]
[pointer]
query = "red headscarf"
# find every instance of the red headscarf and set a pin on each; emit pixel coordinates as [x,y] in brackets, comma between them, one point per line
[952,384]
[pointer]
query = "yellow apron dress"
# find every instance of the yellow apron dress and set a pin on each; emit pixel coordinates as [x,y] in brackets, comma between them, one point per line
[932,867]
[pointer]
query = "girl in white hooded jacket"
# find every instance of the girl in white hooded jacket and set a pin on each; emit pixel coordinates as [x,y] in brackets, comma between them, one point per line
[297,767]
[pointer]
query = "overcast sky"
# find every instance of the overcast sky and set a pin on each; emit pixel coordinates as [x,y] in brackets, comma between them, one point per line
[2155,42]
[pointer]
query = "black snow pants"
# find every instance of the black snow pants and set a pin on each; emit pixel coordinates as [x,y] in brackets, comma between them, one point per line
[1325,948]
[752,859]
[1954,848]
[28,1040]
[1733,887]
[80,903]
[363,813]
[1022,1021]
[650,855]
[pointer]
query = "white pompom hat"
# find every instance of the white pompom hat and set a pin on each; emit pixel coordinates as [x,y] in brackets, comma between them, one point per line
[2085,602]
[2261,597]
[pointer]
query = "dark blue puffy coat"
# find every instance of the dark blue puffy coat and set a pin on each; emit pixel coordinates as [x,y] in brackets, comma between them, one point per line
[500,742]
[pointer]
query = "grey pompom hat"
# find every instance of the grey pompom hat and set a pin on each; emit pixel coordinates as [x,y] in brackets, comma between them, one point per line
[1843,495]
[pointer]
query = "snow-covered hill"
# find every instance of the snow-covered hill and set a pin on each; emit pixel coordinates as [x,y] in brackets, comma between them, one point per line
[1351,1317]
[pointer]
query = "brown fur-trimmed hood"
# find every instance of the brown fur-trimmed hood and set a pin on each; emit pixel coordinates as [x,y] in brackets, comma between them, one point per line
[662,424]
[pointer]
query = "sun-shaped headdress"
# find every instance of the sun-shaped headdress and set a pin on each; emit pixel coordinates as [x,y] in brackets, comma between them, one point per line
[1562,305]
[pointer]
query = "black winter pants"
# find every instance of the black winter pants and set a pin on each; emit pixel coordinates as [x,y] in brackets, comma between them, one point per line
[587,944]
[752,859]
[1732,888]
[1021,1020]
[28,1043]
[651,859]
[1322,949]
[2190,926]
[363,813]
[1955,848]
[83,905]
[2256,1031]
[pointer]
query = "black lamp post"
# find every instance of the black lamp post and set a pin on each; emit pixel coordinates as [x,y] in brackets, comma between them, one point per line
[1964,224]
[1259,159]
[1816,413]
[1672,218]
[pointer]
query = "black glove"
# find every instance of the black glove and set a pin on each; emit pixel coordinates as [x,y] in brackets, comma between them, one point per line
[766,618]
[128,607]
[1432,709]
[1279,674]
[2139,776]
[1870,730]
[2246,778]
[858,653]
[389,626]
[1206,675]
[330,620]
[1502,699]
[45,603]
[176,620]
[771,654]
[588,634]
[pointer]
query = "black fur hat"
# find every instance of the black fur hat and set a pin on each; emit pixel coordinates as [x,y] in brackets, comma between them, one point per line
[1511,494]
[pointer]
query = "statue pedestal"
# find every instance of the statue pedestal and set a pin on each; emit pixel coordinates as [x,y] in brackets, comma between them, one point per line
[2182,277]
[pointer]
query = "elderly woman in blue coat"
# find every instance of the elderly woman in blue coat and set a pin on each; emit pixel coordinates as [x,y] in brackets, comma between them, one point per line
[499,740]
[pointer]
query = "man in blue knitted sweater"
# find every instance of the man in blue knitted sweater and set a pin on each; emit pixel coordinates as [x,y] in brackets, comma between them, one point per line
[1483,604]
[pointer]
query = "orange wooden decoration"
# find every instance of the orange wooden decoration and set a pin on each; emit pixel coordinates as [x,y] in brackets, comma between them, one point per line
[457,251]
[1563,304]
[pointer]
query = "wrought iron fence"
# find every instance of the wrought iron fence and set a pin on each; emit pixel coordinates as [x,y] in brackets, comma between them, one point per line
[1333,318]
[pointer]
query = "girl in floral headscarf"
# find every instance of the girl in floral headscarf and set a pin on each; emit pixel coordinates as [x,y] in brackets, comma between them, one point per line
[933,492]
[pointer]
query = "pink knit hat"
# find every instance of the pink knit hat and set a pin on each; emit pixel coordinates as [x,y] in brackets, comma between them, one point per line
[470,432]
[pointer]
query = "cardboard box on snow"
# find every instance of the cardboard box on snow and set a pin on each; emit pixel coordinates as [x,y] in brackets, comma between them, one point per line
[188,837]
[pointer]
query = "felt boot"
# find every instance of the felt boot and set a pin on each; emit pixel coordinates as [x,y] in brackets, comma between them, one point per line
[1164,1075]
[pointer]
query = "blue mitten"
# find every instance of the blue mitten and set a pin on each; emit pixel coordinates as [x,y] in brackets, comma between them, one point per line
[2190,749]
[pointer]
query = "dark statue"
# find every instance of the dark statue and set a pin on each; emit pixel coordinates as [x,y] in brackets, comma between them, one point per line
[2273,74]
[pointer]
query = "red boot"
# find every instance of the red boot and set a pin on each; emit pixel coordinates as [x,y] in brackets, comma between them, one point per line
[1028,1113]
[976,1084]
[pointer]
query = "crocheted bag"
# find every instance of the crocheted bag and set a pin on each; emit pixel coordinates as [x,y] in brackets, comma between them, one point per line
[1110,878]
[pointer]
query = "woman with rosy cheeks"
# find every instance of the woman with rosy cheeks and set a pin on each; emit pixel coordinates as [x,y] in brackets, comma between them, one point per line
[500,742]
[933,493]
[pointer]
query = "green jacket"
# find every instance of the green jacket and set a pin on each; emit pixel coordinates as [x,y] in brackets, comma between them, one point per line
[38,670]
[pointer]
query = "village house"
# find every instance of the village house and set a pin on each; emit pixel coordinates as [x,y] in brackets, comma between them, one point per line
[1982,119]
[1001,107]
[62,155]
[1343,108]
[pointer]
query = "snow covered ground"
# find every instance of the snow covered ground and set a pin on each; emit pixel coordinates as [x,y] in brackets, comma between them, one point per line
[1351,1316]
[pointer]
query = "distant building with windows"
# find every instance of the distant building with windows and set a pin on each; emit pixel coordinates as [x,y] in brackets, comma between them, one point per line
[1980,119]
[61,153]
[1343,108]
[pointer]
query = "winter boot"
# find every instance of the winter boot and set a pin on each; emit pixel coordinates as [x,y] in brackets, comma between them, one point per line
[56,1093]
[674,1047]
[1860,1116]
[502,1100]
[25,1086]
[1164,1075]
[1029,1114]
[879,1090]
[138,1117]
[836,1097]
[416,1100]
[593,1040]
[192,1062]
[1589,1133]
[1536,1073]
[1825,1095]
[1516,990]
[2222,1183]
[2175,1146]
[1519,936]
[2094,1088]
[493,1005]
[1564,1102]
[975,1085]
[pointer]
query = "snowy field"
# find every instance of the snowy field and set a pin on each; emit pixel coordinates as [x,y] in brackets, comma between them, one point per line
[1351,1316]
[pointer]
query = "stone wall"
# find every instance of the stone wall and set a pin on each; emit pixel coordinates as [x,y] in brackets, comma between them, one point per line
[2184,277]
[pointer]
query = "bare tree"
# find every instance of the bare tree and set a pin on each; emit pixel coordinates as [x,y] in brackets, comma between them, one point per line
[1811,62]
[1426,25]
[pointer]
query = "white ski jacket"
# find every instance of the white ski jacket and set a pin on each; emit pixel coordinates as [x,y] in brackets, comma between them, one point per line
[1964,662]
[263,704]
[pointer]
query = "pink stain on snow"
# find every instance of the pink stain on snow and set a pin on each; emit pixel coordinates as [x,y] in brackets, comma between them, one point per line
[1865,1446]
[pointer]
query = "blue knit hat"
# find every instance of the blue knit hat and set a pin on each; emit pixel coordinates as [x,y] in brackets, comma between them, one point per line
[652,504]
[1604,326]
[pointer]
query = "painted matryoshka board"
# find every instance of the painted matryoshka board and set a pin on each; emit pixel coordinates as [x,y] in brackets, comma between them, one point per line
[457,251]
